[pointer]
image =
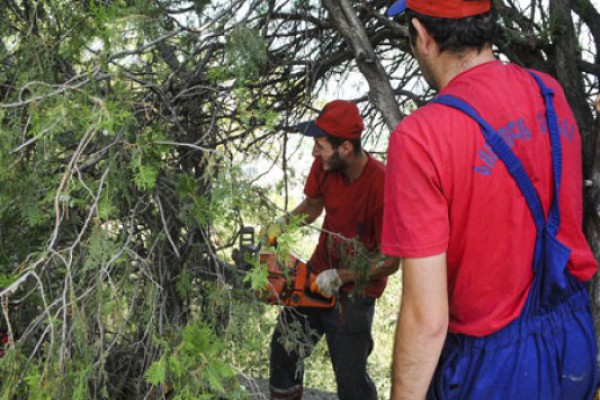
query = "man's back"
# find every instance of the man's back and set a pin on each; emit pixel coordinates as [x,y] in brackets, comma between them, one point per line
[466,203]
[512,328]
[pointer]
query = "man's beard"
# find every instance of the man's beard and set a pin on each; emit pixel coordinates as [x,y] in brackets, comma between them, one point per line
[336,164]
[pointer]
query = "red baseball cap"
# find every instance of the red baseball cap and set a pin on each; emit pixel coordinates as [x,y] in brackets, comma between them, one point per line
[339,118]
[441,8]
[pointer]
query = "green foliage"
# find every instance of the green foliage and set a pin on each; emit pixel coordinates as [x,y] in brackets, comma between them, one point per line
[257,277]
[146,158]
[356,257]
[24,378]
[246,52]
[7,278]
[195,367]
[101,248]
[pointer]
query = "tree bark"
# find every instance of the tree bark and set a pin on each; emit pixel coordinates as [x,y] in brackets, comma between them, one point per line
[352,29]
[569,75]
[591,223]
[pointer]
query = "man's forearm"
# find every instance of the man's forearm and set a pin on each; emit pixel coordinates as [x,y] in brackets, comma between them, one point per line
[387,267]
[421,328]
[308,210]
[376,271]
[416,355]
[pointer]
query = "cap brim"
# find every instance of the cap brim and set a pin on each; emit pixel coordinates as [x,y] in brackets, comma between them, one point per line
[311,129]
[397,8]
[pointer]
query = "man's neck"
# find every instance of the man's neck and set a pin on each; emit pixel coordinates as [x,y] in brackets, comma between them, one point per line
[355,167]
[450,64]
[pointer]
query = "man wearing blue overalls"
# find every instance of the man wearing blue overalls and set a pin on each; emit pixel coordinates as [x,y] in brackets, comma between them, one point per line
[483,200]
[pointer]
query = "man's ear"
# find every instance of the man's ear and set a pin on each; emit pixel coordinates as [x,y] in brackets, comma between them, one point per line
[424,39]
[346,148]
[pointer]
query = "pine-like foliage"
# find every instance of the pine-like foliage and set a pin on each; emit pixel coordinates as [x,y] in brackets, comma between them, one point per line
[118,194]
[129,135]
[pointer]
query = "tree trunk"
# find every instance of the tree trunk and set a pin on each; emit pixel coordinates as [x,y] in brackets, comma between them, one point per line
[569,75]
[591,221]
[352,29]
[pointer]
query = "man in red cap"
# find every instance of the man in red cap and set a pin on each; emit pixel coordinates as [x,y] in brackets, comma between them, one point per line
[483,200]
[348,183]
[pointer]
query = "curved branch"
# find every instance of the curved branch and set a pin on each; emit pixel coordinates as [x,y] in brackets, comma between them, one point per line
[345,19]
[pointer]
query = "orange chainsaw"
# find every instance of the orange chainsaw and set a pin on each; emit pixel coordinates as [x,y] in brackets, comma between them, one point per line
[290,283]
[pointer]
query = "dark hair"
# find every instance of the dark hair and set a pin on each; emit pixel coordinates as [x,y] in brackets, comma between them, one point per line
[337,142]
[456,35]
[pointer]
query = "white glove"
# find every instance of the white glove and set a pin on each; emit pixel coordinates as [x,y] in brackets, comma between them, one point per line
[329,281]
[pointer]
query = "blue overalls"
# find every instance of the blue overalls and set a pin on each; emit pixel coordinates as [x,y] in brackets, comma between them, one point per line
[549,351]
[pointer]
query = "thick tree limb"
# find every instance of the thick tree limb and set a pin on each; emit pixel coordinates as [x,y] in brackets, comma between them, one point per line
[381,93]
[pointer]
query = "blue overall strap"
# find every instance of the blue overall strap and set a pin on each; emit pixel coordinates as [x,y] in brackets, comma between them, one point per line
[552,340]
[552,123]
[508,157]
[551,256]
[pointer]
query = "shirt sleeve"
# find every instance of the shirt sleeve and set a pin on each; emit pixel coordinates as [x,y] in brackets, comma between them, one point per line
[378,215]
[415,218]
[314,185]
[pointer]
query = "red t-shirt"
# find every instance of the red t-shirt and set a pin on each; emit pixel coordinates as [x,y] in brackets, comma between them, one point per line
[352,210]
[447,192]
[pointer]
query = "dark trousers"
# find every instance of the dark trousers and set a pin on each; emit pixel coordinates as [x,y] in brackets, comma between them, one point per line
[347,329]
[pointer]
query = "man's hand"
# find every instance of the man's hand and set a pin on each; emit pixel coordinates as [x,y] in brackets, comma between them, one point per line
[306,212]
[328,282]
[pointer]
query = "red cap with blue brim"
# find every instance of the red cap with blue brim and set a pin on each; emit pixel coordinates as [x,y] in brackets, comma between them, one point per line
[339,118]
[441,8]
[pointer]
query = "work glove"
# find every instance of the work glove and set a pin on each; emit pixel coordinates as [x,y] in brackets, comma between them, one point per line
[269,233]
[327,283]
